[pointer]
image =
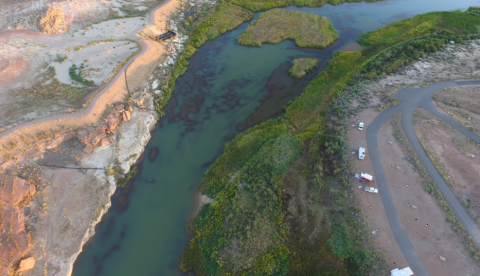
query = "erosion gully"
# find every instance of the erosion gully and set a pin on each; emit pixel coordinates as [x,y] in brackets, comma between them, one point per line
[226,89]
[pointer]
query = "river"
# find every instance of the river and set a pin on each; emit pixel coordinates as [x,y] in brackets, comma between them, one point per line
[226,89]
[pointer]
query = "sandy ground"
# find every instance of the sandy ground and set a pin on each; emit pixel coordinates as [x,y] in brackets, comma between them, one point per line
[462,104]
[371,204]
[430,242]
[457,156]
[426,225]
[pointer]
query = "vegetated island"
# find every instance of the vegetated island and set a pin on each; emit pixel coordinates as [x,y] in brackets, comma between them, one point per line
[282,198]
[301,66]
[274,26]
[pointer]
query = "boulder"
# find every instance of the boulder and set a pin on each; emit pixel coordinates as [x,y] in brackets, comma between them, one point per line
[142,99]
[83,136]
[88,149]
[119,107]
[26,264]
[104,142]
[128,115]
[98,134]
[112,122]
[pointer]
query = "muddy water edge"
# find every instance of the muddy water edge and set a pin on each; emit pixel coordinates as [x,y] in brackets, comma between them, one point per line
[226,89]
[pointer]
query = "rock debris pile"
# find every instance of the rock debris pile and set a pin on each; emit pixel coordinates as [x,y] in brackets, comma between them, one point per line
[98,136]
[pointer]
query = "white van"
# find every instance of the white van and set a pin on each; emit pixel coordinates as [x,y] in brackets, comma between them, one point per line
[361,153]
[360,126]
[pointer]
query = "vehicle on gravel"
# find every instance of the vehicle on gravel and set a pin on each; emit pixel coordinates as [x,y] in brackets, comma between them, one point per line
[361,153]
[371,190]
[360,126]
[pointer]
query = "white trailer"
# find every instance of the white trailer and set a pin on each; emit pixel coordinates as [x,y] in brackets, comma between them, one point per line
[361,153]
[402,272]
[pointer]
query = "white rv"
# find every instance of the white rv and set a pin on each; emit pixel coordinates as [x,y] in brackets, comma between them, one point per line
[361,153]
[402,272]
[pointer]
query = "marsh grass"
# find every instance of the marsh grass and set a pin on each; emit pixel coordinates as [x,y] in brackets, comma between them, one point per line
[455,22]
[225,17]
[51,88]
[262,5]
[274,26]
[301,66]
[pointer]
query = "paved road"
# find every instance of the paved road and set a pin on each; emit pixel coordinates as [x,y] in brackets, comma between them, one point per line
[412,98]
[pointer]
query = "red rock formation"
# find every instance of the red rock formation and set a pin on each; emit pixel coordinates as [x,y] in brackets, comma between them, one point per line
[53,22]
[13,238]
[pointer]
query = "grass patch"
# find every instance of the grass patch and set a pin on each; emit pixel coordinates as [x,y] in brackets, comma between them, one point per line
[60,58]
[301,66]
[51,88]
[274,26]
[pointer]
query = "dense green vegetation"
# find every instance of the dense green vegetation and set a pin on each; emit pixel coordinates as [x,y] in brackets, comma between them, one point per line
[308,107]
[262,5]
[426,24]
[301,66]
[400,43]
[283,203]
[274,26]
[76,75]
[226,18]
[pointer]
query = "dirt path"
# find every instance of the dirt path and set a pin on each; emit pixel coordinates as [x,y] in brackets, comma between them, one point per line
[139,67]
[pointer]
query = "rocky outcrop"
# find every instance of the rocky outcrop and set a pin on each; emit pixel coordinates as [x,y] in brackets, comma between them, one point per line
[97,136]
[13,238]
[53,22]
[26,264]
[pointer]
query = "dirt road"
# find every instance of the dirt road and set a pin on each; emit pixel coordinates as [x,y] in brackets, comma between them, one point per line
[139,68]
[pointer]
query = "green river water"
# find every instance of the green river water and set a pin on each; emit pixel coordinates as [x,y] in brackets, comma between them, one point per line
[226,89]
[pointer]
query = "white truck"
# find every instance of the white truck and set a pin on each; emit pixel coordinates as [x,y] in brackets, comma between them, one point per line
[361,153]
[401,272]
[371,190]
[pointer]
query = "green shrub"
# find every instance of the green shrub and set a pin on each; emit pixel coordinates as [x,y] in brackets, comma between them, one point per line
[76,75]
[301,66]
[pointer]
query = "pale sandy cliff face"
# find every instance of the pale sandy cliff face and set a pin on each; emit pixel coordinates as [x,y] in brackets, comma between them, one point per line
[52,226]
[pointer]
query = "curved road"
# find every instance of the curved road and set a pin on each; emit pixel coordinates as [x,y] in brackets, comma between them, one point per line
[412,98]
